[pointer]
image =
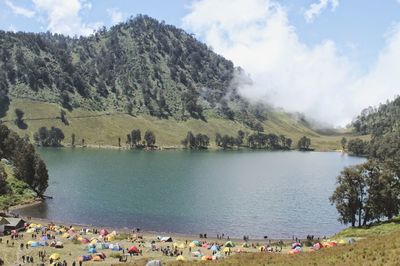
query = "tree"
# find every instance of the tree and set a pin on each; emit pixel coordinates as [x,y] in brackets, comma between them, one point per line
[304,143]
[73,140]
[218,139]
[63,117]
[348,195]
[240,138]
[19,120]
[150,138]
[343,142]
[358,147]
[3,182]
[367,192]
[136,136]
[258,127]
[189,141]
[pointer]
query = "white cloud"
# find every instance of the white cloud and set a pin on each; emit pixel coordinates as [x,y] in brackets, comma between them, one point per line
[315,9]
[316,80]
[115,15]
[63,16]
[20,10]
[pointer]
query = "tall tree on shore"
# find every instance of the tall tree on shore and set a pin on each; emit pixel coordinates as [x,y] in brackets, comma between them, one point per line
[150,138]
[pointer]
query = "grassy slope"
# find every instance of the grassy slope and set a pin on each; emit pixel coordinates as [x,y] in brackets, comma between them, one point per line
[19,192]
[380,245]
[105,129]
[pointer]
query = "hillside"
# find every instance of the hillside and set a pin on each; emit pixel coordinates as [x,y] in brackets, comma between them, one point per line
[146,74]
[102,128]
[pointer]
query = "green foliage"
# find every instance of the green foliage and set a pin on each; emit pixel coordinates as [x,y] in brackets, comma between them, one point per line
[304,143]
[200,141]
[49,137]
[367,192]
[29,168]
[358,147]
[150,138]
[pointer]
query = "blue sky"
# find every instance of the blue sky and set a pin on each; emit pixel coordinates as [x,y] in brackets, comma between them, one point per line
[338,55]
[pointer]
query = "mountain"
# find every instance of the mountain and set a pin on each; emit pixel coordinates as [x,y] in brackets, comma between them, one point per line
[141,70]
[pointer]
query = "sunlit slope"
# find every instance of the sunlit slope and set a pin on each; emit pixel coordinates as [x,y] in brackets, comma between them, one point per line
[104,128]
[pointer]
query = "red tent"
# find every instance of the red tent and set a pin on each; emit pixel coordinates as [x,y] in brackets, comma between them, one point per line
[103,232]
[133,249]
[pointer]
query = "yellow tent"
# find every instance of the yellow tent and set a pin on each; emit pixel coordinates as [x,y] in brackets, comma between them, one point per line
[32,226]
[226,249]
[55,256]
[94,241]
[181,258]
[342,242]
[65,235]
[110,237]
[192,245]
[30,230]
[179,245]
[30,242]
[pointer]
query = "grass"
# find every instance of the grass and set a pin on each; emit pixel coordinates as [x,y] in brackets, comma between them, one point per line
[101,129]
[379,245]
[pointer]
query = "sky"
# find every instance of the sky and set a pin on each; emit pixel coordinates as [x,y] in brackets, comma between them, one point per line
[328,59]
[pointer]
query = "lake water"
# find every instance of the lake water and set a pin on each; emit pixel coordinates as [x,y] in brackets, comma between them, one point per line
[255,193]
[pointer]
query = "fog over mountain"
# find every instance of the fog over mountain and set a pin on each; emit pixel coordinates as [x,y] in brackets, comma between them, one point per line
[317,80]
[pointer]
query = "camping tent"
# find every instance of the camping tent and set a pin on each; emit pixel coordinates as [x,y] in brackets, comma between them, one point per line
[55,256]
[214,248]
[181,258]
[103,232]
[166,239]
[229,244]
[133,250]
[59,244]
[154,263]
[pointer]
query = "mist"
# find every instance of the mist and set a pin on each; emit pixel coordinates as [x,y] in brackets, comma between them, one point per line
[317,80]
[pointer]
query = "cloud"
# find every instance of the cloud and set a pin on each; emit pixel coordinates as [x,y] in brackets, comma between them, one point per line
[64,16]
[314,79]
[316,8]
[115,15]
[20,10]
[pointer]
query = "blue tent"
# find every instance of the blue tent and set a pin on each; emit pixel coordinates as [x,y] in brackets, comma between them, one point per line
[92,250]
[35,244]
[214,248]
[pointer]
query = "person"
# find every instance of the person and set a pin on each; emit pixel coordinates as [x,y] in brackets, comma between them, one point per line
[73,263]
[23,258]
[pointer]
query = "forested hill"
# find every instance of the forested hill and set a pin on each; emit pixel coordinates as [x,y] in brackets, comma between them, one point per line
[383,124]
[141,66]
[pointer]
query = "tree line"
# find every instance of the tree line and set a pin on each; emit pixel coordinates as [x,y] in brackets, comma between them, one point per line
[134,139]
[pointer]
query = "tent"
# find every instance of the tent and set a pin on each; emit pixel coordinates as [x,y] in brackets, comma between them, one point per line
[229,244]
[85,258]
[166,239]
[245,245]
[192,245]
[294,245]
[197,243]
[154,263]
[205,245]
[43,243]
[214,248]
[103,232]
[180,258]
[342,242]
[206,258]
[226,249]
[59,244]
[35,244]
[351,241]
[179,245]
[55,256]
[317,246]
[96,258]
[85,241]
[92,250]
[133,250]
[197,254]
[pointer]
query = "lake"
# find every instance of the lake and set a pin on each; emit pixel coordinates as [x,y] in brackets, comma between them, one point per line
[255,193]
